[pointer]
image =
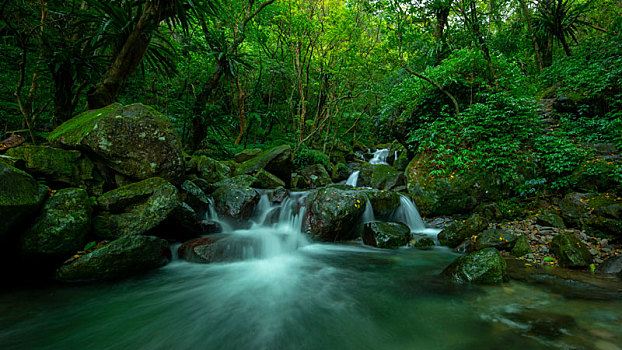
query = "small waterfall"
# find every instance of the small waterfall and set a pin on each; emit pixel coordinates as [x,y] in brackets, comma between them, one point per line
[395,155]
[408,214]
[212,216]
[368,214]
[262,209]
[353,178]
[380,156]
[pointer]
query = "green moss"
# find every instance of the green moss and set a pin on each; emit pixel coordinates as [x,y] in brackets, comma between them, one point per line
[71,132]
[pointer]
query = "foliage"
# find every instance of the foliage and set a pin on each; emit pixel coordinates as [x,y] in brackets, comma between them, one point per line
[306,157]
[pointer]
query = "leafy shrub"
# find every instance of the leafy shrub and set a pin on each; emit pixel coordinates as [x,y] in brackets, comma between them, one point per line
[306,157]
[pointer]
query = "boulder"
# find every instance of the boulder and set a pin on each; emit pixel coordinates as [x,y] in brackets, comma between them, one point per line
[277,161]
[384,203]
[613,265]
[278,195]
[607,217]
[235,202]
[385,234]
[195,197]
[334,213]
[570,252]
[521,247]
[574,209]
[550,220]
[182,223]
[212,170]
[61,227]
[126,256]
[381,176]
[341,172]
[135,209]
[134,140]
[240,180]
[247,154]
[267,180]
[454,234]
[491,211]
[495,238]
[485,266]
[314,176]
[424,242]
[20,197]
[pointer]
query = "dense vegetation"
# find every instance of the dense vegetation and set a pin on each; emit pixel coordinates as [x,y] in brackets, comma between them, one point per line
[461,81]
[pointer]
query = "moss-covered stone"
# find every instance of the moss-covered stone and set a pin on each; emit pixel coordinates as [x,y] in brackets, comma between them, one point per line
[454,234]
[268,180]
[314,176]
[277,161]
[20,197]
[341,172]
[134,140]
[423,243]
[521,247]
[550,220]
[570,252]
[334,213]
[194,196]
[381,176]
[135,209]
[495,238]
[240,180]
[235,202]
[485,266]
[212,170]
[126,256]
[574,209]
[247,154]
[384,203]
[62,225]
[385,234]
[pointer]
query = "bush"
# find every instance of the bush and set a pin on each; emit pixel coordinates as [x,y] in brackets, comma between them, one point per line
[306,157]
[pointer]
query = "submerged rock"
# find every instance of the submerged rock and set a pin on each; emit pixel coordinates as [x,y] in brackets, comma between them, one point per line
[20,197]
[277,161]
[454,234]
[334,213]
[61,227]
[424,242]
[570,252]
[126,256]
[134,140]
[385,234]
[485,266]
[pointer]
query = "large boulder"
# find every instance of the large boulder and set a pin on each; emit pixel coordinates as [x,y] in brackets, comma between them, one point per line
[456,233]
[384,203]
[314,176]
[126,256]
[334,213]
[277,161]
[485,266]
[385,234]
[236,202]
[570,252]
[212,170]
[135,209]
[68,167]
[574,209]
[496,238]
[194,196]
[268,180]
[20,197]
[381,176]
[247,154]
[134,140]
[61,227]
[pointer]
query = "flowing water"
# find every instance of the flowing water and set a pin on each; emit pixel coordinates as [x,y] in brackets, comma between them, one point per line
[300,295]
[380,156]
[353,178]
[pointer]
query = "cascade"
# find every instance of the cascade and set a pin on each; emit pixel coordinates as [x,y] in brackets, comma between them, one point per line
[353,178]
[380,156]
[212,215]
[368,214]
[408,214]
[395,155]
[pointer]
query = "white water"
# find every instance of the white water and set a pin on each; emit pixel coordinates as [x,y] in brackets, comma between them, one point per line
[353,178]
[212,215]
[408,214]
[380,156]
[368,214]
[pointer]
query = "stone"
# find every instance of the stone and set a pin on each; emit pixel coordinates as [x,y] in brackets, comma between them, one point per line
[521,247]
[341,172]
[61,227]
[385,234]
[384,203]
[550,220]
[424,242]
[314,176]
[126,256]
[247,154]
[613,265]
[454,234]
[212,170]
[381,176]
[491,211]
[20,197]
[267,180]
[195,197]
[236,202]
[134,140]
[570,252]
[574,209]
[278,195]
[240,180]
[495,238]
[334,213]
[485,266]
[277,161]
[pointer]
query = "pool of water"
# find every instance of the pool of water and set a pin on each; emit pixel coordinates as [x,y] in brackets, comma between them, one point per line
[322,296]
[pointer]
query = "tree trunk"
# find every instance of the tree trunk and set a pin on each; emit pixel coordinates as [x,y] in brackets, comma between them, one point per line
[562,40]
[63,94]
[241,113]
[536,47]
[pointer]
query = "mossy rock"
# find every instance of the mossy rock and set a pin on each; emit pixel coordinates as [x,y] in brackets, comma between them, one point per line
[495,238]
[334,213]
[61,227]
[240,180]
[550,220]
[135,209]
[485,266]
[521,247]
[126,256]
[314,176]
[381,176]
[277,161]
[212,170]
[195,197]
[134,140]
[341,172]
[235,202]
[424,243]
[456,233]
[570,252]
[384,203]
[247,154]
[20,197]
[385,234]
[574,209]
[268,180]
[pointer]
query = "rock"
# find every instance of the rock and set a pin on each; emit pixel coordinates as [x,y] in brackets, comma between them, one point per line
[212,170]
[334,213]
[247,154]
[12,161]
[521,247]
[402,161]
[453,235]
[381,176]
[485,266]
[384,203]
[613,265]
[267,180]
[277,161]
[240,180]
[58,165]
[126,256]
[491,211]
[574,210]
[595,176]
[278,195]
[135,209]
[424,242]
[385,234]
[20,197]
[235,202]
[550,220]
[134,140]
[314,176]
[495,238]
[210,227]
[182,223]
[570,252]
[341,172]
[195,197]
[61,227]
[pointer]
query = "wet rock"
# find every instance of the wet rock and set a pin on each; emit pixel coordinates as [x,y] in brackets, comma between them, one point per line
[20,197]
[61,227]
[277,161]
[454,234]
[495,238]
[334,213]
[485,266]
[195,197]
[570,251]
[424,242]
[550,220]
[384,203]
[134,140]
[135,209]
[247,154]
[126,256]
[385,234]
[182,223]
[314,176]
[212,170]
[381,176]
[210,227]
[547,325]
[278,195]
[267,180]
[235,202]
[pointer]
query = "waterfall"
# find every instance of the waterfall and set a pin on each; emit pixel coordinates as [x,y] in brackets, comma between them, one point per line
[368,214]
[212,215]
[408,214]
[396,155]
[353,178]
[380,156]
